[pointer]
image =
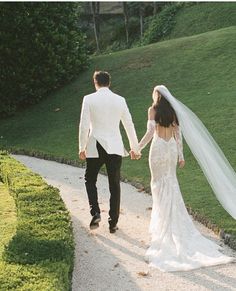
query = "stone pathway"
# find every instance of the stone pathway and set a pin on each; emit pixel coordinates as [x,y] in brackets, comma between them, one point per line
[115,262]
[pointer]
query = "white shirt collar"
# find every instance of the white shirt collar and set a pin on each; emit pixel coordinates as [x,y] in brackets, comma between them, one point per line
[103,89]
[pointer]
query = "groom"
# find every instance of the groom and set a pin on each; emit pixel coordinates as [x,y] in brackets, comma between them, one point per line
[100,143]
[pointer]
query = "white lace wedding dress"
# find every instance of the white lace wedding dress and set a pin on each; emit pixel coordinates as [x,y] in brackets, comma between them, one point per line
[176,244]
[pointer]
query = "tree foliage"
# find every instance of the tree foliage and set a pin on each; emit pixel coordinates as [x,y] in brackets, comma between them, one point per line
[41,49]
[160,25]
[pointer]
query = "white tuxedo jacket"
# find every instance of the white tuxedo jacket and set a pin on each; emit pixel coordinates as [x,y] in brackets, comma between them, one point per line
[100,118]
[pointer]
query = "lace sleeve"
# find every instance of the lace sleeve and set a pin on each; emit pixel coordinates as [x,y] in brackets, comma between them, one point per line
[179,141]
[151,127]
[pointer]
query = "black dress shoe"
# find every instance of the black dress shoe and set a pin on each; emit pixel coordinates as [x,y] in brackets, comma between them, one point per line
[95,221]
[113,229]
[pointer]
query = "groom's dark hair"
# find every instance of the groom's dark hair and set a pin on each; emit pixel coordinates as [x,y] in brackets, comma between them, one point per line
[102,78]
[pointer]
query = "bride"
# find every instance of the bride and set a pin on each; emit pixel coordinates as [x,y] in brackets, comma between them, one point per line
[176,244]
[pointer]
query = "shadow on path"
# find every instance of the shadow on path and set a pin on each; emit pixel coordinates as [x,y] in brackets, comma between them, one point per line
[96,266]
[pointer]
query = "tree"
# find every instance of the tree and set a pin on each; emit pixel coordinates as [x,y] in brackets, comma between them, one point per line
[138,9]
[154,8]
[95,12]
[126,19]
[141,16]
[41,49]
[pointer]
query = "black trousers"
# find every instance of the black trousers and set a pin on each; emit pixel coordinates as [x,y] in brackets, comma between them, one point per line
[113,165]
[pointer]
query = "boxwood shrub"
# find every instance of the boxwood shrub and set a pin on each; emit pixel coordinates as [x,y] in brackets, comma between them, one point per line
[40,254]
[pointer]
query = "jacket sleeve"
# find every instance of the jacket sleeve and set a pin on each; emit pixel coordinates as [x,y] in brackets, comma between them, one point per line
[179,141]
[151,127]
[84,125]
[128,124]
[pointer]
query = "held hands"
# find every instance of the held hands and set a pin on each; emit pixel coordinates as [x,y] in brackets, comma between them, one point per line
[82,155]
[134,156]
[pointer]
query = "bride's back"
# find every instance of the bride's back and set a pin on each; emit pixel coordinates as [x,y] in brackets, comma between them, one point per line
[165,133]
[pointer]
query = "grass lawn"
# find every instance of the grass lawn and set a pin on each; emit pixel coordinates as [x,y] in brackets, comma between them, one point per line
[7,217]
[199,70]
[203,17]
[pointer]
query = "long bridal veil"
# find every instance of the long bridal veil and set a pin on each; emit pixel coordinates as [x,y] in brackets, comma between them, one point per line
[219,173]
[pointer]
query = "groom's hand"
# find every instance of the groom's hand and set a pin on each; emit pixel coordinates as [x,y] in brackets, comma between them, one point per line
[181,164]
[132,155]
[82,155]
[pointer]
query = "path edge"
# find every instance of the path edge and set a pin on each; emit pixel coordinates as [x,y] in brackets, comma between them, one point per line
[227,238]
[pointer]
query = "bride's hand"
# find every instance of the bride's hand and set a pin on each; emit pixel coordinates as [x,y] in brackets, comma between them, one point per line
[181,164]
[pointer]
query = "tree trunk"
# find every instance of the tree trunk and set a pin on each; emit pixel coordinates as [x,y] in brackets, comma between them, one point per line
[97,11]
[95,26]
[141,14]
[154,8]
[126,18]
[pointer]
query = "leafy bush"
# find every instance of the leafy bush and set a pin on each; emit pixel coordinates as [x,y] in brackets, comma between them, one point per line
[160,25]
[41,49]
[43,245]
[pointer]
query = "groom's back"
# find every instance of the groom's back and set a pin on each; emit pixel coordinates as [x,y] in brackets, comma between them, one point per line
[106,110]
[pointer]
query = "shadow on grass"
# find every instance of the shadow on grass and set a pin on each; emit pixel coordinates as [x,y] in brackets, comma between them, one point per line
[28,249]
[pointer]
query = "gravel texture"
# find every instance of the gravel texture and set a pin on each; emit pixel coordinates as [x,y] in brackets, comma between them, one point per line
[115,262]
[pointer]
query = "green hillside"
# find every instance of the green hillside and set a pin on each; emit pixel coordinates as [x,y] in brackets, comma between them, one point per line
[203,17]
[199,70]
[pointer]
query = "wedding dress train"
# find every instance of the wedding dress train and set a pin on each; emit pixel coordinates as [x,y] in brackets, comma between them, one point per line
[176,244]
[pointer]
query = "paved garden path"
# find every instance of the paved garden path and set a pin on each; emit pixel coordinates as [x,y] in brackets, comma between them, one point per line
[107,262]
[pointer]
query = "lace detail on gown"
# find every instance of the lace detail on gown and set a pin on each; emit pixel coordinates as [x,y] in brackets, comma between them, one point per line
[176,244]
[151,127]
[179,141]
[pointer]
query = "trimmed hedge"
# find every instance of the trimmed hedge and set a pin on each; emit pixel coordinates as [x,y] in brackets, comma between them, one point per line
[42,48]
[40,254]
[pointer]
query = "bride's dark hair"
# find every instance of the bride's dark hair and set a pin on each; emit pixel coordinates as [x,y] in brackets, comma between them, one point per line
[165,114]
